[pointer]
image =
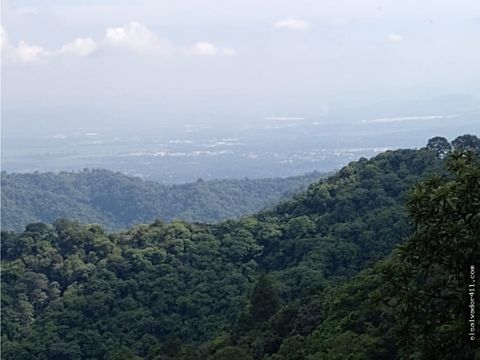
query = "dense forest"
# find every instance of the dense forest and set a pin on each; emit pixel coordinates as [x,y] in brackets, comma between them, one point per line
[370,263]
[117,201]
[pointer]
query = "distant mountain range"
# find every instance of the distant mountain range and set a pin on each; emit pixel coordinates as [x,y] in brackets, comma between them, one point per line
[118,201]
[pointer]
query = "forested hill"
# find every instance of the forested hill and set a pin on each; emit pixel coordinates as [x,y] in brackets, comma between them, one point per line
[302,281]
[117,201]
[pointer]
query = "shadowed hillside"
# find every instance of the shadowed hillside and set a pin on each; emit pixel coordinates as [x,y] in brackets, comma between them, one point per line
[117,201]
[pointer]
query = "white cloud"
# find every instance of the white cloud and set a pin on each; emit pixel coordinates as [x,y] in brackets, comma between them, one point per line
[133,37]
[137,37]
[80,47]
[395,38]
[23,52]
[28,53]
[292,24]
[209,49]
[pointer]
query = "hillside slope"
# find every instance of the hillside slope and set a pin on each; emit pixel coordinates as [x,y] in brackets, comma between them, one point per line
[160,290]
[117,201]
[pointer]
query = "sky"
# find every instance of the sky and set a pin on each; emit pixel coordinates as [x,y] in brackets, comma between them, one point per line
[150,65]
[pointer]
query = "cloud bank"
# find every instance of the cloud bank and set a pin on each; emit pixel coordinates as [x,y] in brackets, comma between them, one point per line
[133,37]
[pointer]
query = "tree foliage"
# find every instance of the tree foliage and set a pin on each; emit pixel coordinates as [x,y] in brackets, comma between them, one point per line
[440,146]
[313,278]
[467,142]
[117,201]
[437,260]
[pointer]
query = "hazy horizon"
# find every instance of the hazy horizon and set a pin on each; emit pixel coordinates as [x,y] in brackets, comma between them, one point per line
[97,80]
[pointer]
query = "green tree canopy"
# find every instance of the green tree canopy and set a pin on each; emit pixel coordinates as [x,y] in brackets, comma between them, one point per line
[467,142]
[439,146]
[437,259]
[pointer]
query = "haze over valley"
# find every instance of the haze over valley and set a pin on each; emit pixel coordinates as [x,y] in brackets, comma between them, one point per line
[177,91]
[267,147]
